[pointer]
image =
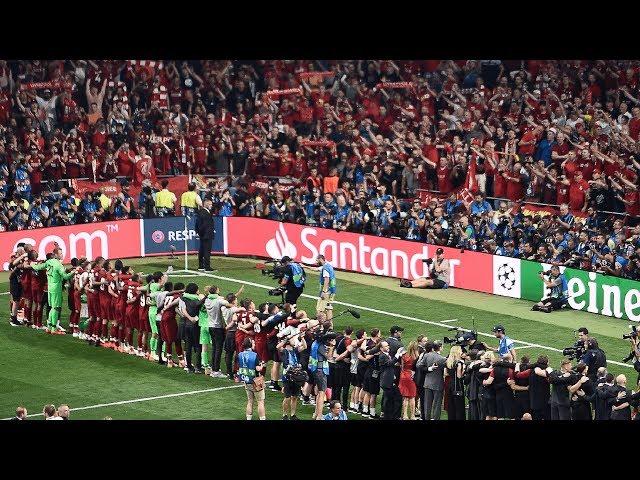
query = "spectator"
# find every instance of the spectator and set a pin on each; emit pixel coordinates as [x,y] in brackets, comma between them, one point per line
[50,413]
[63,412]
[21,414]
[335,411]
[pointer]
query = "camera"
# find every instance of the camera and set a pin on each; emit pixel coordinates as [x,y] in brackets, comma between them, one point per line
[574,352]
[632,335]
[277,292]
[462,338]
[546,273]
[277,271]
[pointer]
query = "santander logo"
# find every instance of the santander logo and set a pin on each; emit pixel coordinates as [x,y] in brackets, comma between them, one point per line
[280,246]
[350,251]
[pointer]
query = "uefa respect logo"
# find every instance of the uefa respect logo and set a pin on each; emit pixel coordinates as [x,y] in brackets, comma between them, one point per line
[157,236]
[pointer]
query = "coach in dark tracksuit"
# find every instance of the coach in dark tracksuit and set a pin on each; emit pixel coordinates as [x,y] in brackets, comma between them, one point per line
[204,227]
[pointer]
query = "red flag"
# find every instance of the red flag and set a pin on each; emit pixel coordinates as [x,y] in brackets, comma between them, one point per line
[471,183]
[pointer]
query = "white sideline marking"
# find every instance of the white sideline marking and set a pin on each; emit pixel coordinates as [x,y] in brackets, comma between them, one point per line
[447,321]
[146,399]
[517,347]
[398,315]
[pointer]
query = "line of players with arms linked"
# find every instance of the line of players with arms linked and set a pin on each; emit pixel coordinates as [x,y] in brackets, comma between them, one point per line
[111,305]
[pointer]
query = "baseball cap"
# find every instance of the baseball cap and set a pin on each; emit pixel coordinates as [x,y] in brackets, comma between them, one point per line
[439,251]
[498,328]
[395,329]
[285,259]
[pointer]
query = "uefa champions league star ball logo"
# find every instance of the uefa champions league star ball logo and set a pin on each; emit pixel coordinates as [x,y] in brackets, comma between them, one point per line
[157,236]
[506,276]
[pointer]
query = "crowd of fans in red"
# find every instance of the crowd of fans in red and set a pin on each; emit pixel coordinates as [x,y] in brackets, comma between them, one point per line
[363,132]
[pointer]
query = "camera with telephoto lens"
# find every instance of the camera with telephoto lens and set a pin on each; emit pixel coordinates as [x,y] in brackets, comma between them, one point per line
[277,292]
[275,270]
[542,272]
[574,352]
[462,338]
[632,335]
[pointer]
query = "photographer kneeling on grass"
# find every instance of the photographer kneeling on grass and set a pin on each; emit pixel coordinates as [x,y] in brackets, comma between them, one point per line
[559,294]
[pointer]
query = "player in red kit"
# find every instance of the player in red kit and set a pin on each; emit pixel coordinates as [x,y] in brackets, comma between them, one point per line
[260,336]
[38,289]
[25,281]
[93,301]
[120,307]
[104,301]
[114,297]
[169,326]
[143,321]
[131,312]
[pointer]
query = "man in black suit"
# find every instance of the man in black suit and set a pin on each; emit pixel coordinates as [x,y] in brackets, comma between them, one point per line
[204,227]
[391,397]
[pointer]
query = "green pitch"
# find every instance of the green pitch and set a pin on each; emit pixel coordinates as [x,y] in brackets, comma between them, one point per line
[36,369]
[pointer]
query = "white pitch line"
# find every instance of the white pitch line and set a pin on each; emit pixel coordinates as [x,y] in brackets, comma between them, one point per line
[398,315]
[451,320]
[146,399]
[517,347]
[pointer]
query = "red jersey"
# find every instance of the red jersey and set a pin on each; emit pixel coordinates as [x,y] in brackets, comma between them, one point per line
[577,194]
[144,170]
[515,192]
[125,164]
[562,193]
[633,208]
[285,165]
[444,179]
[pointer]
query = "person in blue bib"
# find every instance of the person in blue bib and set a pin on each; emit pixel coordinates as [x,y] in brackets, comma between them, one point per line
[321,351]
[559,291]
[327,287]
[250,366]
[293,280]
[288,349]
[335,411]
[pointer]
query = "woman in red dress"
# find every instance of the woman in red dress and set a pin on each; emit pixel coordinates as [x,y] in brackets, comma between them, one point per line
[407,385]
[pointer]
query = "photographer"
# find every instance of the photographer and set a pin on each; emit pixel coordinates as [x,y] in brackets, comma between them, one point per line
[559,294]
[321,349]
[594,358]
[439,275]
[634,354]
[288,348]
[293,280]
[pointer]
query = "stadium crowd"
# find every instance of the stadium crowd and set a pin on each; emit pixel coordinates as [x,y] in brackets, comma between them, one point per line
[356,140]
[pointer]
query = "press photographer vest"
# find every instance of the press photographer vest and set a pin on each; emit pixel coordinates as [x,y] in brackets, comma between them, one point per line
[298,277]
[327,267]
[247,361]
[314,363]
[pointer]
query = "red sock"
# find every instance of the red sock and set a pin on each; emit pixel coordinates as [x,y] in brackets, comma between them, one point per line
[121,332]
[27,313]
[139,339]
[103,332]
[114,330]
[168,350]
[129,336]
[178,349]
[90,326]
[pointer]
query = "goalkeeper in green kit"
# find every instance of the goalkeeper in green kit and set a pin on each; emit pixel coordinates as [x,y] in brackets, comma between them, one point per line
[56,275]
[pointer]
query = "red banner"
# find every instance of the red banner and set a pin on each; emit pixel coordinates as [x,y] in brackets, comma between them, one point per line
[352,251]
[118,239]
[57,85]
[177,185]
[543,211]
[288,91]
